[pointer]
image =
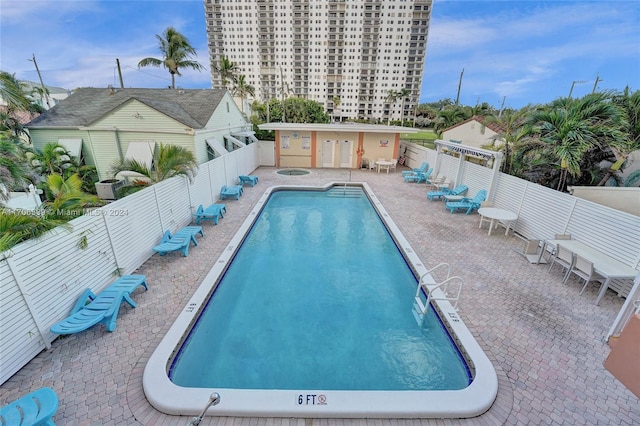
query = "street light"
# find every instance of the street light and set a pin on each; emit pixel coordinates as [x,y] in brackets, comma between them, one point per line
[574,83]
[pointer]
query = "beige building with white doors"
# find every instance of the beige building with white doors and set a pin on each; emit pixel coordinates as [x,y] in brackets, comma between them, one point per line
[310,145]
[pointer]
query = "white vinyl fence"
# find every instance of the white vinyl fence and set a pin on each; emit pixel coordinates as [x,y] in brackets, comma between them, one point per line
[113,240]
[543,212]
[118,238]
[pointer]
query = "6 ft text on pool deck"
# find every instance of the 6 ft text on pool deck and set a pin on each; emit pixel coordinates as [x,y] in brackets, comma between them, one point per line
[64,212]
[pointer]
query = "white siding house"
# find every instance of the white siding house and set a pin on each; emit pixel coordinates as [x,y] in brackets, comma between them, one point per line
[473,132]
[108,122]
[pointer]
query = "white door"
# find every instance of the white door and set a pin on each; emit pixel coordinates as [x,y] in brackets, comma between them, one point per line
[328,149]
[267,153]
[346,153]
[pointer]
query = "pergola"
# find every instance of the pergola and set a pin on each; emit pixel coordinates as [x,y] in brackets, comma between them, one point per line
[492,159]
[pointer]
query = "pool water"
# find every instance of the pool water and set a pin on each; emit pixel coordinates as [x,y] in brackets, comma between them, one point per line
[318,297]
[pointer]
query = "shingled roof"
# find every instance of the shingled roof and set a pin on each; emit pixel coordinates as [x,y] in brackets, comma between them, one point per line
[86,105]
[496,127]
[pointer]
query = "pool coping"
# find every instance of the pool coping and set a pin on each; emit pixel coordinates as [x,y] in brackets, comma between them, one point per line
[168,398]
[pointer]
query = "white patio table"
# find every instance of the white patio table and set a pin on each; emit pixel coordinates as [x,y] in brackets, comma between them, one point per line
[384,164]
[603,264]
[493,214]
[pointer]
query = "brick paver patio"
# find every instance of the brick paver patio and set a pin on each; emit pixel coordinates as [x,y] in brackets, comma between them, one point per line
[545,341]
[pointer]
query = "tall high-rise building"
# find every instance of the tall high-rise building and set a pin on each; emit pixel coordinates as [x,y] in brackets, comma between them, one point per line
[348,55]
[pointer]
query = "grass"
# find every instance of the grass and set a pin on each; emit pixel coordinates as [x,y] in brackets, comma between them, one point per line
[425,134]
[424,137]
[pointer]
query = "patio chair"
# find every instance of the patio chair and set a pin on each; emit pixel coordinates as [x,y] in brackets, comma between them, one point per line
[394,164]
[90,309]
[371,164]
[468,204]
[35,408]
[583,268]
[563,257]
[248,179]
[171,243]
[423,167]
[531,250]
[433,182]
[213,212]
[438,195]
[231,191]
[418,176]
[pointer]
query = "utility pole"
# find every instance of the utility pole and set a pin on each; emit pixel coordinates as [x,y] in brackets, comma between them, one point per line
[44,90]
[595,85]
[459,85]
[120,73]
[504,98]
[574,83]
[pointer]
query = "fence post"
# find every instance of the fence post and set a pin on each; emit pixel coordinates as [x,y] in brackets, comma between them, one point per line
[28,302]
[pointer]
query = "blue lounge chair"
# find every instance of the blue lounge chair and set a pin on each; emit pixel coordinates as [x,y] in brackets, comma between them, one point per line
[437,195]
[170,243]
[470,204]
[128,283]
[248,179]
[90,309]
[231,191]
[189,232]
[35,408]
[213,212]
[418,177]
[423,167]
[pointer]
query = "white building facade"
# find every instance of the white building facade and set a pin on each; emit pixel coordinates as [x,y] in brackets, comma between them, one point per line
[345,54]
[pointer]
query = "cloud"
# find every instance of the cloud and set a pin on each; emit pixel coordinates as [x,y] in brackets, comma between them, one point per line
[531,51]
[82,40]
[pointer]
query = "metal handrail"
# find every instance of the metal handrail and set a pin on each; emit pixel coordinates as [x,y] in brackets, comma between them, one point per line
[433,269]
[214,399]
[445,284]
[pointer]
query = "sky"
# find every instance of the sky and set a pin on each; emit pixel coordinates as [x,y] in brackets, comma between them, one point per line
[511,52]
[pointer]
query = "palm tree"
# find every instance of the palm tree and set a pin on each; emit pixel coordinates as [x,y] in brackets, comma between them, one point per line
[171,160]
[227,71]
[242,89]
[68,198]
[392,97]
[513,131]
[447,117]
[15,227]
[12,92]
[336,103]
[16,100]
[568,128]
[14,171]
[622,148]
[53,158]
[402,94]
[177,52]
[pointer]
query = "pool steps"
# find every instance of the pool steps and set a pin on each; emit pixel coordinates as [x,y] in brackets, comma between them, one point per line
[346,191]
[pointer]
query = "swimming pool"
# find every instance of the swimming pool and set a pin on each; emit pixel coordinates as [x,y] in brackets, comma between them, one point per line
[338,378]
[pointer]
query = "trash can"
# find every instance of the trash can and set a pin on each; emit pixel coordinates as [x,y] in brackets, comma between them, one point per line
[106,189]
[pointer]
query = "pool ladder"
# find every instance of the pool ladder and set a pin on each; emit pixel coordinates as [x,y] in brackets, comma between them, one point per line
[449,289]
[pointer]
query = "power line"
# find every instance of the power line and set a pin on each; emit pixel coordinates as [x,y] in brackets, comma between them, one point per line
[147,73]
